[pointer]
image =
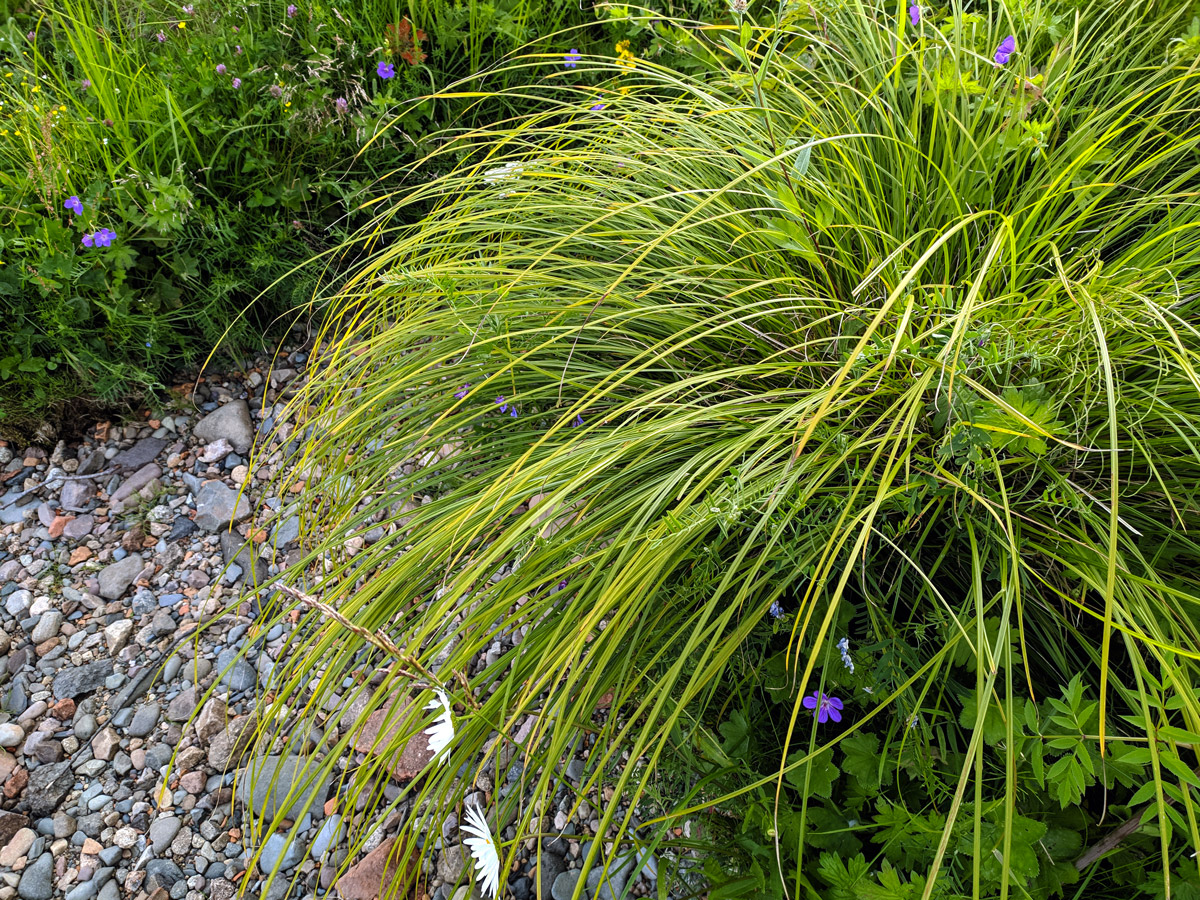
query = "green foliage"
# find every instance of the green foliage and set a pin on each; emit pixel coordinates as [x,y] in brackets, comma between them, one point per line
[822,384]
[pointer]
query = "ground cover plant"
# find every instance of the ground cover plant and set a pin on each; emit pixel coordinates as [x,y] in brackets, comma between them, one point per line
[212,147]
[827,414]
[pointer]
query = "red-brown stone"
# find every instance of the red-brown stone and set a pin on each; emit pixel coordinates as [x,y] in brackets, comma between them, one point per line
[381,869]
[403,763]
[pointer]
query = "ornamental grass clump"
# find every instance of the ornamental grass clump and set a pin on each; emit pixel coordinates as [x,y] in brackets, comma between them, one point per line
[848,517]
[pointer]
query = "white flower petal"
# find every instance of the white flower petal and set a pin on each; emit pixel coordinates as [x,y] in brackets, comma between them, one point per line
[483,848]
[441,732]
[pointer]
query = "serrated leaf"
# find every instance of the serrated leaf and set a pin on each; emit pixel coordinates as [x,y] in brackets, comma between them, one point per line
[823,774]
[860,761]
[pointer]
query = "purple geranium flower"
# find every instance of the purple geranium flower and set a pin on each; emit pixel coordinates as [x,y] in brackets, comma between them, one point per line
[578,421]
[914,14]
[598,107]
[824,706]
[512,411]
[1005,50]
[461,392]
[220,68]
[503,406]
[74,204]
[102,238]
[236,83]
[291,11]
[385,70]
[572,58]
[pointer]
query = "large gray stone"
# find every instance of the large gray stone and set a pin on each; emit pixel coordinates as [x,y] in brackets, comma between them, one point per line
[75,497]
[237,674]
[115,579]
[231,422]
[277,851]
[549,867]
[564,885]
[135,483]
[162,832]
[81,679]
[266,782]
[144,451]
[48,785]
[37,881]
[240,553]
[217,505]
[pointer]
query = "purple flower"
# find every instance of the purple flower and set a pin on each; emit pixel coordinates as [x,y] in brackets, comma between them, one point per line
[503,406]
[776,610]
[85,84]
[598,107]
[161,37]
[572,58]
[824,706]
[291,11]
[578,421]
[236,83]
[914,14]
[513,412]
[220,68]
[102,238]
[187,10]
[1005,50]
[237,51]
[276,91]
[385,70]
[75,204]
[461,392]
[342,106]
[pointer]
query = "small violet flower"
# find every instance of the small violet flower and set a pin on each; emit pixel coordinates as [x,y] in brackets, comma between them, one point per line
[598,107]
[161,37]
[236,83]
[220,68]
[385,70]
[1005,50]
[85,84]
[512,411]
[914,15]
[74,204]
[500,402]
[776,610]
[237,50]
[188,10]
[572,58]
[578,421]
[824,707]
[276,91]
[102,238]
[844,648]
[291,11]
[461,392]
[342,106]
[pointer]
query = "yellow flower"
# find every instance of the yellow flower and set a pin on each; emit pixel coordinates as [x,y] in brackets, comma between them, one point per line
[625,57]
[36,88]
[286,105]
[182,25]
[62,109]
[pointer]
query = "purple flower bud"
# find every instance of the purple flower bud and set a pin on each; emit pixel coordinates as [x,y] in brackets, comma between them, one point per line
[85,84]
[598,107]
[237,51]
[461,392]
[342,106]
[1005,50]
[276,91]
[161,37]
[291,11]
[776,610]
[914,13]
[187,10]
[236,83]
[220,68]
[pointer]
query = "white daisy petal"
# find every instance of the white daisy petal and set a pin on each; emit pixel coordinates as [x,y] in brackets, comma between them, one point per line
[441,732]
[483,848]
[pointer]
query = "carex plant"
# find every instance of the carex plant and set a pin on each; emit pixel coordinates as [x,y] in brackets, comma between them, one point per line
[859,367]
